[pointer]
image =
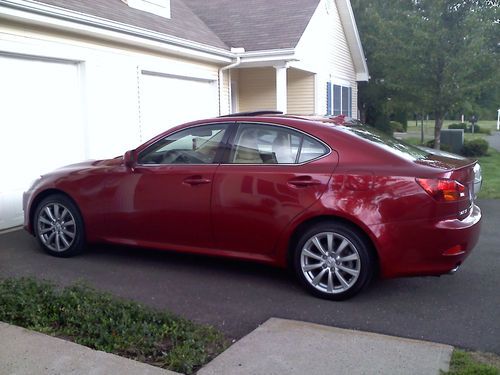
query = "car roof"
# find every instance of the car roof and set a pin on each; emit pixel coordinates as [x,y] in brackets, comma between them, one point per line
[262,115]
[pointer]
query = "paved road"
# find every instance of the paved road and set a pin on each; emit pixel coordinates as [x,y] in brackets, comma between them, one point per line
[461,310]
[494,140]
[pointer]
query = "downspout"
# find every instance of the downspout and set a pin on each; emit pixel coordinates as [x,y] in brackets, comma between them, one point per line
[237,51]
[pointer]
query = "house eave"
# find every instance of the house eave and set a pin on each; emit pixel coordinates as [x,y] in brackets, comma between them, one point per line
[70,21]
[352,35]
[263,58]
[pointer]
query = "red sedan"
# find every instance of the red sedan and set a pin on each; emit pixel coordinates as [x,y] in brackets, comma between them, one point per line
[335,201]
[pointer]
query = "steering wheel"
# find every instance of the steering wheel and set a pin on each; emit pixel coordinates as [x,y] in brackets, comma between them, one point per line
[170,156]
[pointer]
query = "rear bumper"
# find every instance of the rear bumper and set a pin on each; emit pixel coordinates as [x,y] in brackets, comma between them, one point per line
[414,248]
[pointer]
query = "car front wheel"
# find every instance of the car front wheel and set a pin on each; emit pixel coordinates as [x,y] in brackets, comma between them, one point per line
[333,261]
[59,226]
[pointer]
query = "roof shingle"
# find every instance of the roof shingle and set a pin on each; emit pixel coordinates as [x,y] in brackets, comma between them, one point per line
[256,24]
[182,24]
[252,24]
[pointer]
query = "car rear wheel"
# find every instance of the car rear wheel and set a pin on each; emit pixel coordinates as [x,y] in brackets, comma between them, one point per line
[59,226]
[333,261]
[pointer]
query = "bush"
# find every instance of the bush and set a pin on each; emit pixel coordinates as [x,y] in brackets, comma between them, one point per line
[476,147]
[468,128]
[397,126]
[382,123]
[444,146]
[462,126]
[485,131]
[477,129]
[100,321]
[402,118]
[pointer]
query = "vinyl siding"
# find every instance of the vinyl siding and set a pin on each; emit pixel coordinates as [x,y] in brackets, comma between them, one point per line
[323,49]
[300,92]
[225,103]
[257,89]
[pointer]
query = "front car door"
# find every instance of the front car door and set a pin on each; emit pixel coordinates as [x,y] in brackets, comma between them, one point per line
[165,199]
[272,174]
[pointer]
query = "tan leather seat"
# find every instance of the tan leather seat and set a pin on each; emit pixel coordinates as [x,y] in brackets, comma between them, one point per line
[282,150]
[247,151]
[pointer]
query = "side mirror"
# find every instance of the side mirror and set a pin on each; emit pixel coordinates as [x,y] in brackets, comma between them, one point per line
[129,158]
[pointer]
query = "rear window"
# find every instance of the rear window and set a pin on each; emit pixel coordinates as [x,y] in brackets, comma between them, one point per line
[387,142]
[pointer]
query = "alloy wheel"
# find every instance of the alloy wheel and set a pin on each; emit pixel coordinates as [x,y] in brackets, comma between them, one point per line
[330,262]
[56,227]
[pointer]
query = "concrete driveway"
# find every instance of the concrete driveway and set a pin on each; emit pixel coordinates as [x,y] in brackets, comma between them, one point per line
[461,310]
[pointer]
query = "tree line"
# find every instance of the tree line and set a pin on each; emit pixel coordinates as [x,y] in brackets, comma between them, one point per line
[433,58]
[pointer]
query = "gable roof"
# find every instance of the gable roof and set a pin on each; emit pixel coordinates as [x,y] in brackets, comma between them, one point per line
[256,24]
[183,22]
[268,30]
[253,24]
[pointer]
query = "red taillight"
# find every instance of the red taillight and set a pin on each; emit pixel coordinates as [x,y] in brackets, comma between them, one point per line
[442,189]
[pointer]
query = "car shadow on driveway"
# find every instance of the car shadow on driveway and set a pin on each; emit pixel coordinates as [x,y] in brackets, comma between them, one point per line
[237,296]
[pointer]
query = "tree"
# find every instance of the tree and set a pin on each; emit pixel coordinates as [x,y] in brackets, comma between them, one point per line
[432,55]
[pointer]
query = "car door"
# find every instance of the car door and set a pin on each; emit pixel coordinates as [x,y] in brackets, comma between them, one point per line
[165,199]
[272,174]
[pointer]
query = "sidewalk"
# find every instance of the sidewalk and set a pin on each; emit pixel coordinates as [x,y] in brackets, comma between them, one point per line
[494,140]
[276,347]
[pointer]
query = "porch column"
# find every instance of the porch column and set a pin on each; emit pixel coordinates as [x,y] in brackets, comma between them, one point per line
[281,88]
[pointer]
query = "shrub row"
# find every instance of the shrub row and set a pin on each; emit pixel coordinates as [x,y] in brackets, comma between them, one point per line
[468,128]
[473,148]
[103,322]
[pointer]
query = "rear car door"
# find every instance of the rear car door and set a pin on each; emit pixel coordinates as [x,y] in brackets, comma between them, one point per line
[270,175]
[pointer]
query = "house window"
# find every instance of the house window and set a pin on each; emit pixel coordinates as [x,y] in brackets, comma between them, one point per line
[339,100]
[158,7]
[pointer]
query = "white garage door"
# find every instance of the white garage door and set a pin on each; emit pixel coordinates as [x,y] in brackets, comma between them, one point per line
[168,101]
[40,126]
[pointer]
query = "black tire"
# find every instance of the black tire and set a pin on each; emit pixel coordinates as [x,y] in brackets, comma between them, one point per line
[58,226]
[324,275]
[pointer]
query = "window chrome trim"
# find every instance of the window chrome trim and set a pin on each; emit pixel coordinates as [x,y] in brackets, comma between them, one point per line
[238,123]
[330,150]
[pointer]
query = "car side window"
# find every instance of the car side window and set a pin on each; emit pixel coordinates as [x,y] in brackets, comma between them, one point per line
[269,144]
[197,145]
[311,149]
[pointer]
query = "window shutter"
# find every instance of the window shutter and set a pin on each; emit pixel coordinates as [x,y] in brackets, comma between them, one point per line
[337,100]
[328,98]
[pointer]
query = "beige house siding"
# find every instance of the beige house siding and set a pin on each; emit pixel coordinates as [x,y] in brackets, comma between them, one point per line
[355,100]
[225,98]
[300,92]
[257,89]
[323,48]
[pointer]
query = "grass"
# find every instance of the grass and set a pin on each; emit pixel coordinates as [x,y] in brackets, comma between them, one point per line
[466,363]
[100,321]
[414,131]
[490,166]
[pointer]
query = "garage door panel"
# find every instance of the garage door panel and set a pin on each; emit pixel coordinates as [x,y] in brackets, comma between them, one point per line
[41,127]
[168,101]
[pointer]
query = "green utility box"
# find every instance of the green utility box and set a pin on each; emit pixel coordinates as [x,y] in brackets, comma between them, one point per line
[454,138]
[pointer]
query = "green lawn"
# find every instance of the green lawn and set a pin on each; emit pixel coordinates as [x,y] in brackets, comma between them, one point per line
[414,131]
[490,166]
[468,363]
[100,321]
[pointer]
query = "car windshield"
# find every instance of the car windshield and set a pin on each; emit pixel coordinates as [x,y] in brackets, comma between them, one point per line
[387,142]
